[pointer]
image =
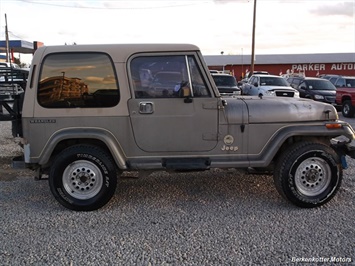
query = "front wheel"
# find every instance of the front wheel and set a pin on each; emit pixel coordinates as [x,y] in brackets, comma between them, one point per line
[83,178]
[347,109]
[308,174]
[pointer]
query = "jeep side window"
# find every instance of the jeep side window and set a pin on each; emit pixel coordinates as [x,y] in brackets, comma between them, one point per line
[71,80]
[158,76]
[164,76]
[199,87]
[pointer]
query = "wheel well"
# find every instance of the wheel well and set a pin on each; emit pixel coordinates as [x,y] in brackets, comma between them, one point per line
[71,142]
[345,98]
[294,139]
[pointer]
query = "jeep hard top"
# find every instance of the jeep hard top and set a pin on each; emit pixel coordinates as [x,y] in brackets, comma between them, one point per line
[91,112]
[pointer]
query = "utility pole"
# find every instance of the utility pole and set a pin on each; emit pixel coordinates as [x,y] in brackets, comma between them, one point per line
[253,41]
[242,66]
[7,41]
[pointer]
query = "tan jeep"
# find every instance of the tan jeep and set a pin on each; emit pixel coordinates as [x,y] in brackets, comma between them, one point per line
[93,111]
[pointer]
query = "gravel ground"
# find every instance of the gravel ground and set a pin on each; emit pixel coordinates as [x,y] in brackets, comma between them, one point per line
[218,217]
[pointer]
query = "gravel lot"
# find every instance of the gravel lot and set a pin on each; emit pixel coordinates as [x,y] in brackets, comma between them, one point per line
[219,217]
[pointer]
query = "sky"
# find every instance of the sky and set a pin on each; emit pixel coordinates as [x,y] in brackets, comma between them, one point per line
[216,26]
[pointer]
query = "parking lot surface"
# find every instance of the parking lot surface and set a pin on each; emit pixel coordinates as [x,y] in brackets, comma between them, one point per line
[217,217]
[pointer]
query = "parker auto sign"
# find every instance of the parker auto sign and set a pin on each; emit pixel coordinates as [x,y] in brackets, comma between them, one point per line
[323,67]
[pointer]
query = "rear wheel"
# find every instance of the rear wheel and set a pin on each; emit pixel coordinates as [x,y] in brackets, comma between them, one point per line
[347,109]
[83,178]
[308,174]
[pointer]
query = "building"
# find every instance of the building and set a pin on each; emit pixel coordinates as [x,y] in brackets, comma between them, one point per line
[307,64]
[17,46]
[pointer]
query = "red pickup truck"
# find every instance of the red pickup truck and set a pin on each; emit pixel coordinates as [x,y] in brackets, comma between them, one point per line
[345,95]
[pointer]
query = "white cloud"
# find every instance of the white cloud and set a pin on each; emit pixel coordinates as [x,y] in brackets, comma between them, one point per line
[338,9]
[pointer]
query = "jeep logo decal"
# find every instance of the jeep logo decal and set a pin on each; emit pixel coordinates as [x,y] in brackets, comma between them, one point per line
[228,140]
[229,148]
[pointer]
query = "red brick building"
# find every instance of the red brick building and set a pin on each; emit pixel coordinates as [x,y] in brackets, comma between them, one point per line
[308,64]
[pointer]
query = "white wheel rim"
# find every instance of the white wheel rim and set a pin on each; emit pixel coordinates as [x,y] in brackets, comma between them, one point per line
[82,180]
[346,109]
[313,176]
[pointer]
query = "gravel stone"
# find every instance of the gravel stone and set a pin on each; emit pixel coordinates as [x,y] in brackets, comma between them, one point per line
[217,217]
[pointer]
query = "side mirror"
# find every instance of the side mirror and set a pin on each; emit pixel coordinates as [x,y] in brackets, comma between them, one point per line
[303,88]
[186,94]
[256,84]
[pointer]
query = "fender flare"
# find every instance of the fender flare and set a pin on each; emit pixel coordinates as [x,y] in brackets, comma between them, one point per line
[101,134]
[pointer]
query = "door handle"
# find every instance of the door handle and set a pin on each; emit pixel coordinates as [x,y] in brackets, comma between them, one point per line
[146,108]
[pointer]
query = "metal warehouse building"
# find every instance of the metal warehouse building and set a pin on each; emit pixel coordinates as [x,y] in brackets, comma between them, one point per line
[307,64]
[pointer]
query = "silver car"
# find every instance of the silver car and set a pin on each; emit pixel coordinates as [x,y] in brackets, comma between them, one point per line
[226,84]
[269,85]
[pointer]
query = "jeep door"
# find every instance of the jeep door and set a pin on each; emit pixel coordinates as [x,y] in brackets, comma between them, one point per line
[172,108]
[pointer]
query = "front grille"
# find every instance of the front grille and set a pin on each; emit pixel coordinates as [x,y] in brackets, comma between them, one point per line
[330,99]
[285,93]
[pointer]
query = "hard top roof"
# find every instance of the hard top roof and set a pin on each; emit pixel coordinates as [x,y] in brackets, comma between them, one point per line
[119,51]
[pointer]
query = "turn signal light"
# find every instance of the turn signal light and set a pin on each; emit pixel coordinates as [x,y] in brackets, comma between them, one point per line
[333,126]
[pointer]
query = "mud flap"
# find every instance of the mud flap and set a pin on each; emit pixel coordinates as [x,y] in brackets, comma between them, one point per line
[343,162]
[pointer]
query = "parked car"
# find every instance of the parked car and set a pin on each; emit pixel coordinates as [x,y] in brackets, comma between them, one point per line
[257,72]
[327,76]
[9,65]
[345,94]
[318,89]
[12,80]
[268,85]
[226,84]
[213,71]
[343,81]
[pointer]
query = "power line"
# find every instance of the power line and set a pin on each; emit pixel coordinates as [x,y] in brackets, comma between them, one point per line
[75,5]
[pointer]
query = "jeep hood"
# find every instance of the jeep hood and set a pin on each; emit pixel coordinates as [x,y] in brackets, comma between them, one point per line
[280,109]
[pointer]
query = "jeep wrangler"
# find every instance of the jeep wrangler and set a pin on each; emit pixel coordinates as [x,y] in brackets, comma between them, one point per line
[91,112]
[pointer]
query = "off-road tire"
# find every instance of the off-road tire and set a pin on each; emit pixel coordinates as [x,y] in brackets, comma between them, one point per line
[83,178]
[308,174]
[347,109]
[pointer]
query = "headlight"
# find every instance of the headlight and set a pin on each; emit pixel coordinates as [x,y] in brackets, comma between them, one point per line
[269,93]
[318,97]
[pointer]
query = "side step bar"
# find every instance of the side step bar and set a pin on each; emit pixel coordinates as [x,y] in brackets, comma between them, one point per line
[187,164]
